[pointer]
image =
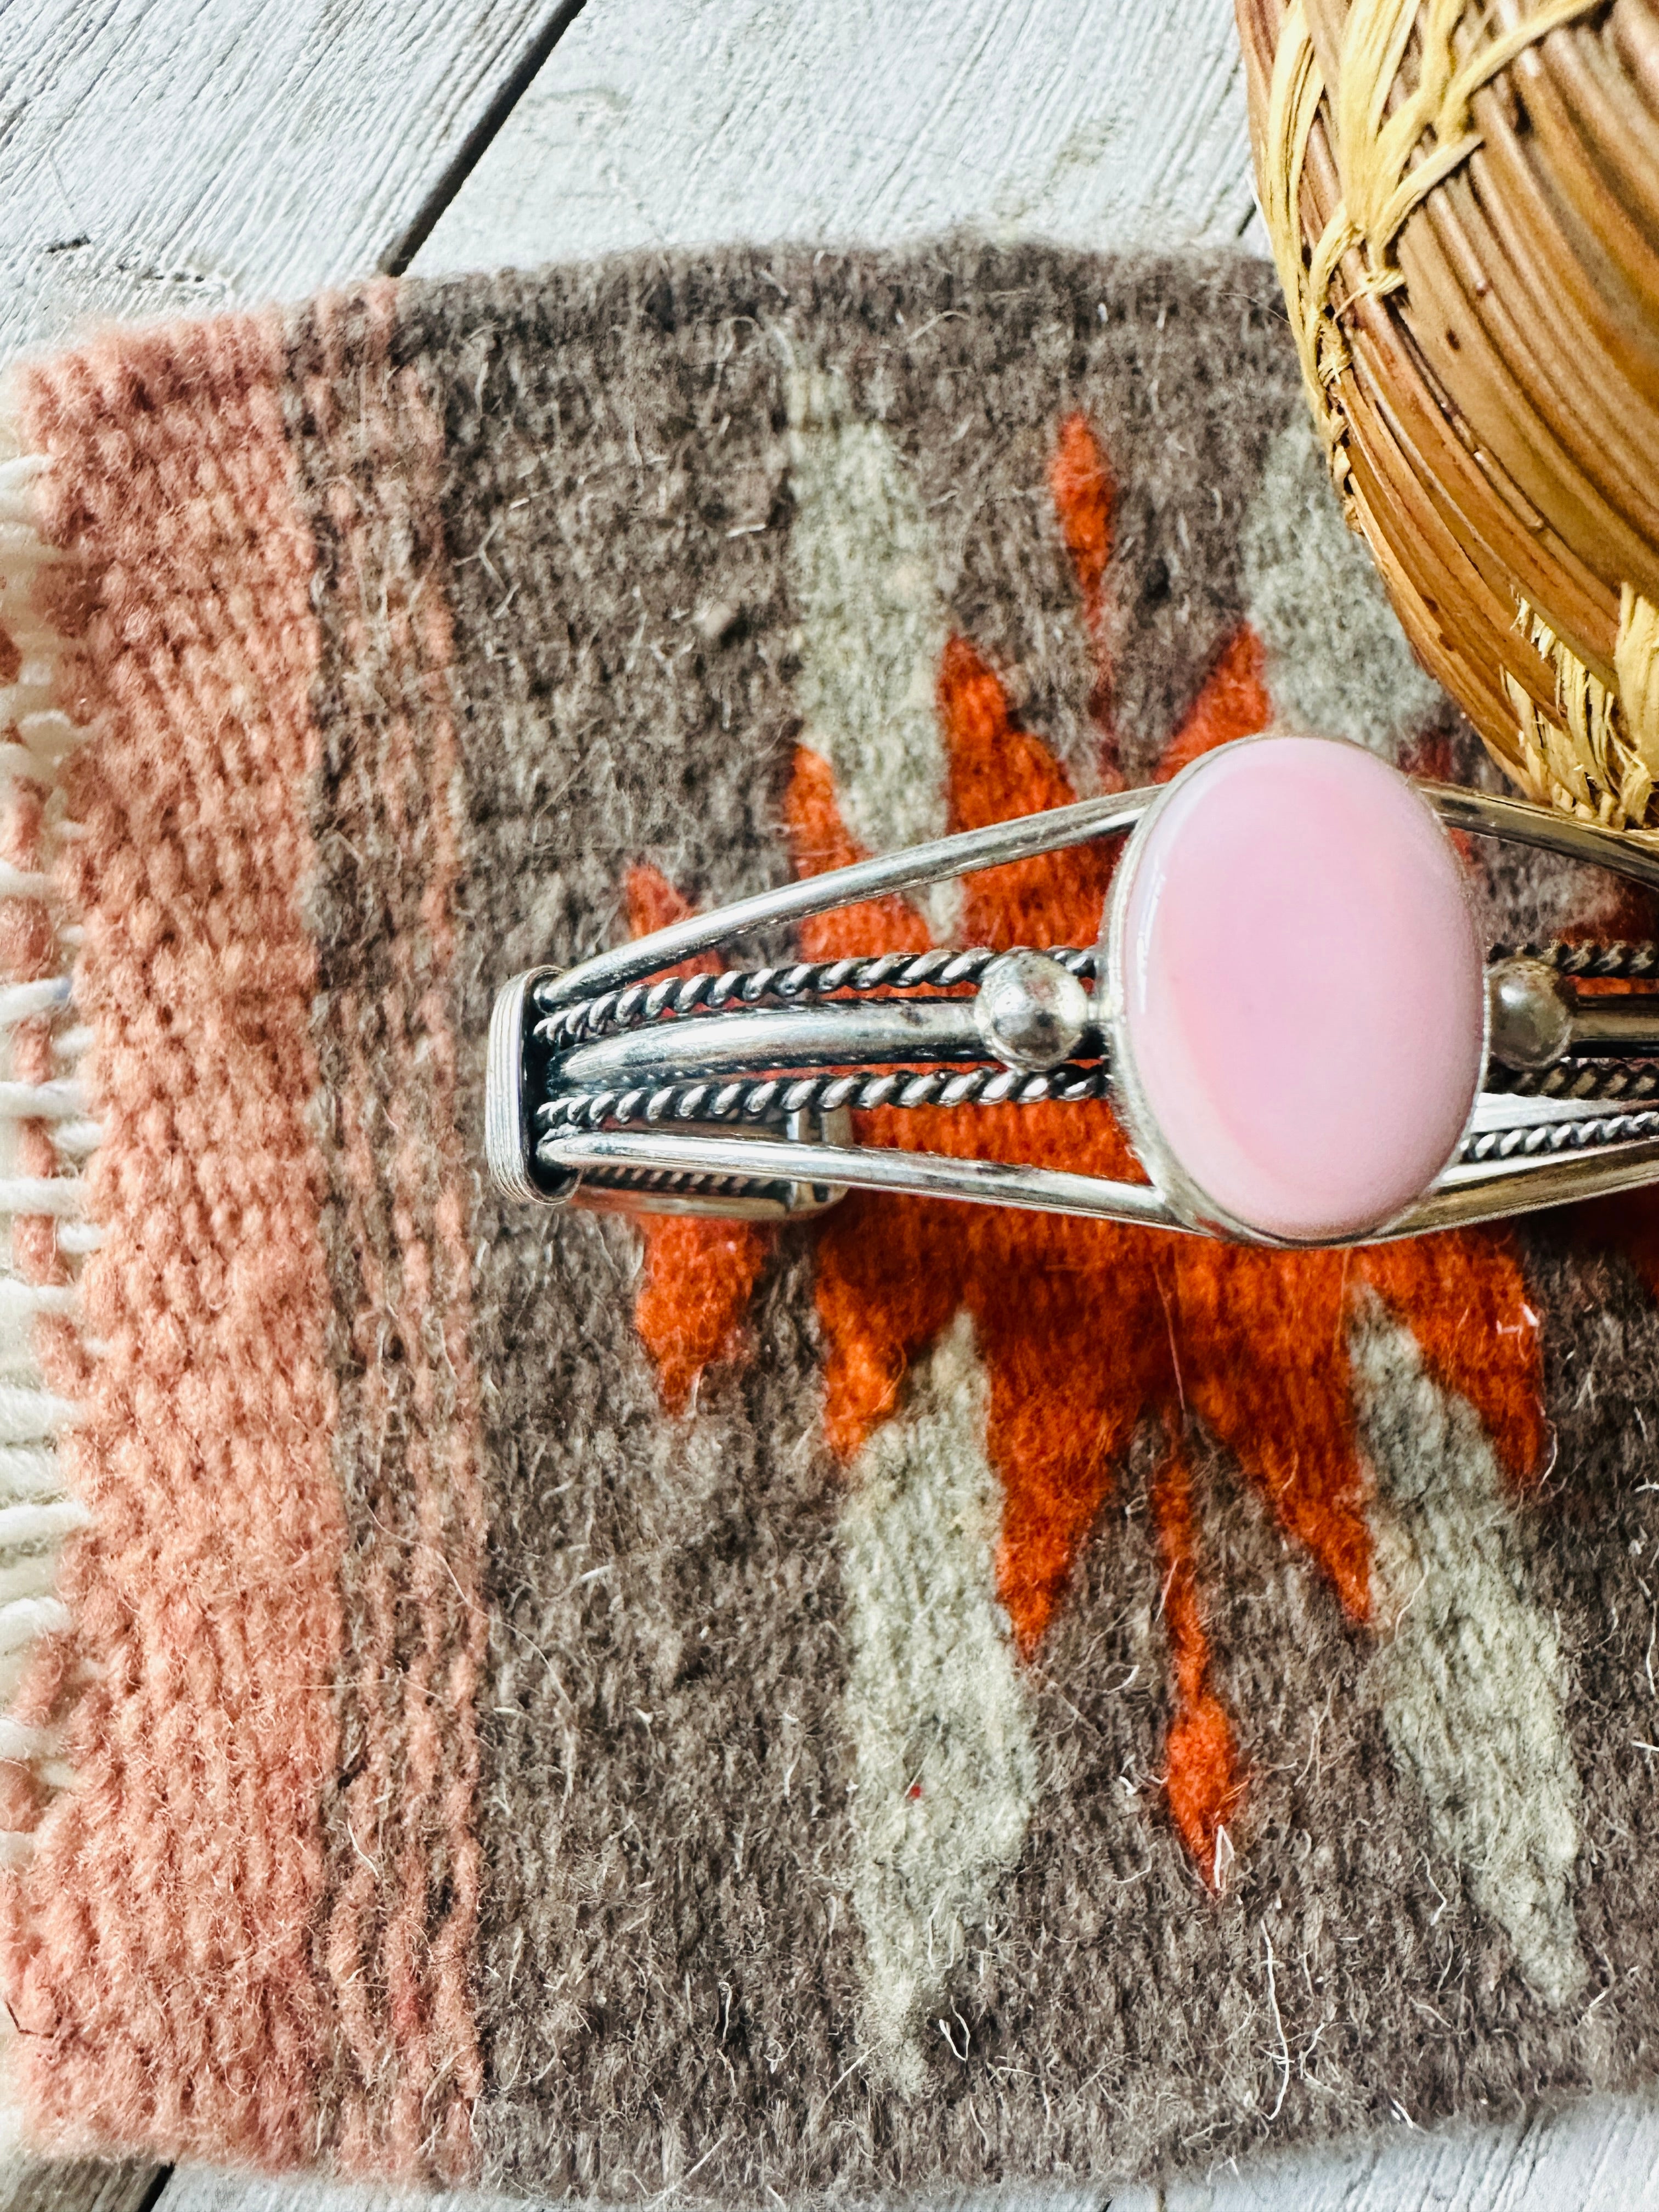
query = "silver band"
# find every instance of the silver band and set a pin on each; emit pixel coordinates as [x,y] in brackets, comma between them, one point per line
[1484,814]
[1467,1194]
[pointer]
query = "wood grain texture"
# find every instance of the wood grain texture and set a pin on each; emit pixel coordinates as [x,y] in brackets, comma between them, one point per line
[79,2184]
[681,122]
[1604,2152]
[159,156]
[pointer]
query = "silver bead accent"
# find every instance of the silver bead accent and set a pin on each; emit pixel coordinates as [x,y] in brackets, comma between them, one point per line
[1031,1011]
[1531,1017]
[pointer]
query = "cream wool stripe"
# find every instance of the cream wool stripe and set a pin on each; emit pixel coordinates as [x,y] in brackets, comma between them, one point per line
[873,627]
[944,1759]
[1338,664]
[37,1516]
[1470,1671]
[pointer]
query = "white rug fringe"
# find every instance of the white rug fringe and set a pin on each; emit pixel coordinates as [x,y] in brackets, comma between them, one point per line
[37,1515]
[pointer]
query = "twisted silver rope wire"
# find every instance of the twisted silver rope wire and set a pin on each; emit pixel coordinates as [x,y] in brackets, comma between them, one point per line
[1547,1141]
[802,981]
[1571,1079]
[1552,1137]
[681,1182]
[774,1097]
[1631,961]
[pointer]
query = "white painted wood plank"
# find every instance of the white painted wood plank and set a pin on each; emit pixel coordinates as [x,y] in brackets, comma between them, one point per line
[78,2185]
[163,156]
[1104,123]
[1604,2152]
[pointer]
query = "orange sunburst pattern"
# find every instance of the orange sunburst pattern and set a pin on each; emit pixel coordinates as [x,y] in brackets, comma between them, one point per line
[1084,1326]
[1088,1328]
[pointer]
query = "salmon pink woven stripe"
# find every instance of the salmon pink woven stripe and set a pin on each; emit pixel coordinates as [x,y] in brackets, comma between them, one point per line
[156,1952]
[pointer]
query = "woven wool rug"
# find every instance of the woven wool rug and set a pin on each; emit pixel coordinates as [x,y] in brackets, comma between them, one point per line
[926,1697]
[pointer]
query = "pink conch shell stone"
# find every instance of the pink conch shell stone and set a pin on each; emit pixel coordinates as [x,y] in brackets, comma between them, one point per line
[1300,990]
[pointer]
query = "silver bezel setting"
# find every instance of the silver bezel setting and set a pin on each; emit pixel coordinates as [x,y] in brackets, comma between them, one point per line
[1190,1202]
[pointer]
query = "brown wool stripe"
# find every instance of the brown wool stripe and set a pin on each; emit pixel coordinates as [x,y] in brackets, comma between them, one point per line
[403,1854]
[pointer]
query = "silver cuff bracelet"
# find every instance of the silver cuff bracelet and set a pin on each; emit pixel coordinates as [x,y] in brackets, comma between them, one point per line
[1261,1089]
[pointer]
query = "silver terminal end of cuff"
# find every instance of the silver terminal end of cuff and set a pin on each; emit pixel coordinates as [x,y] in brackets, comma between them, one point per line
[507,1141]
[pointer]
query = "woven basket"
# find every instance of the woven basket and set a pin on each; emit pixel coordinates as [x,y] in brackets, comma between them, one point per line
[1464,197]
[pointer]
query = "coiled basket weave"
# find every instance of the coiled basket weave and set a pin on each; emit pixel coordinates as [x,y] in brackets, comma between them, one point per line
[1464,197]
